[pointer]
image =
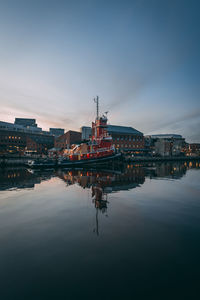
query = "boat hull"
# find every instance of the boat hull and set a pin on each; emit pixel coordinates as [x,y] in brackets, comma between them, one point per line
[68,163]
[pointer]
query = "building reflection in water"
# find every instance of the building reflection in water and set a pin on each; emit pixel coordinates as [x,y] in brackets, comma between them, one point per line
[129,177]
[103,182]
[100,182]
[22,178]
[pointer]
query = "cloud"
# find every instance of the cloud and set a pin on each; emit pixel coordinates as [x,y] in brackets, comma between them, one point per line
[188,125]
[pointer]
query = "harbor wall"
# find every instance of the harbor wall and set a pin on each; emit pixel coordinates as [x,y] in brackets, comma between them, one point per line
[22,160]
[13,160]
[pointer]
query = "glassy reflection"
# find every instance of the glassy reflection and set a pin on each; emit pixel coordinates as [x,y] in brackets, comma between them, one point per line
[135,230]
[110,180]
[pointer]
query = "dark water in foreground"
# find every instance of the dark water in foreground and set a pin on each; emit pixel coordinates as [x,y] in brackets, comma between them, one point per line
[129,234]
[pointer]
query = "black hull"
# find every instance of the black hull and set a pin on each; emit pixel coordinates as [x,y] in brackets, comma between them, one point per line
[71,164]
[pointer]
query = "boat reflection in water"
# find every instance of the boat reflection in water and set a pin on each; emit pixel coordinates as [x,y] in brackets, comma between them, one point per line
[55,233]
[100,201]
[103,182]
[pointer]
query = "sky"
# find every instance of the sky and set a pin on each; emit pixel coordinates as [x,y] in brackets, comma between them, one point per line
[140,57]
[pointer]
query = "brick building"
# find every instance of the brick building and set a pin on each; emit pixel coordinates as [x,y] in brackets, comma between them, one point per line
[39,144]
[127,139]
[66,140]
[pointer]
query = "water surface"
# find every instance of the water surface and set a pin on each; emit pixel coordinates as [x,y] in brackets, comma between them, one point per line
[129,233]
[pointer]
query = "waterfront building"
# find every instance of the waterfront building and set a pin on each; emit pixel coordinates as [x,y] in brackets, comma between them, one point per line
[127,139]
[166,144]
[25,122]
[12,141]
[194,149]
[13,136]
[86,133]
[66,140]
[56,131]
[19,128]
[39,144]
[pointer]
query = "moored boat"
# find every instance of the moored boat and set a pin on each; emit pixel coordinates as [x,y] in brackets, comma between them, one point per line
[99,149]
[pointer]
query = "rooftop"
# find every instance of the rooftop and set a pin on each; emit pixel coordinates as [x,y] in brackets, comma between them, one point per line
[167,136]
[123,130]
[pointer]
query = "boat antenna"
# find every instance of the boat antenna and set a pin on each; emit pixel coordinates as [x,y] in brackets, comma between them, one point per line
[96,100]
[106,113]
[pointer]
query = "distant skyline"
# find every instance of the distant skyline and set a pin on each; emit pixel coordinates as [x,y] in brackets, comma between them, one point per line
[140,57]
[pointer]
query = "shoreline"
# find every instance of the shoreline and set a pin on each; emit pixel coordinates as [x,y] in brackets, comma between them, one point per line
[22,161]
[162,159]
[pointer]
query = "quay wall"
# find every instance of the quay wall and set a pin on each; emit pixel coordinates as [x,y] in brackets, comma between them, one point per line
[22,160]
[13,160]
[168,158]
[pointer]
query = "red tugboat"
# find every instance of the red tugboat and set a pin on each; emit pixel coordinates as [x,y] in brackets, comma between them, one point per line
[100,148]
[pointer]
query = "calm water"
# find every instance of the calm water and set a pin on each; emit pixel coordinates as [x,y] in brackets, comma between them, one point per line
[132,233]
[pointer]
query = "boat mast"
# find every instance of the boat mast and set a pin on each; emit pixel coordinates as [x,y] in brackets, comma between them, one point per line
[96,100]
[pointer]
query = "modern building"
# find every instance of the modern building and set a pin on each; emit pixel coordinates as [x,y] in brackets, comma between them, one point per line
[13,137]
[86,132]
[12,141]
[56,131]
[166,144]
[25,122]
[22,128]
[66,140]
[166,136]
